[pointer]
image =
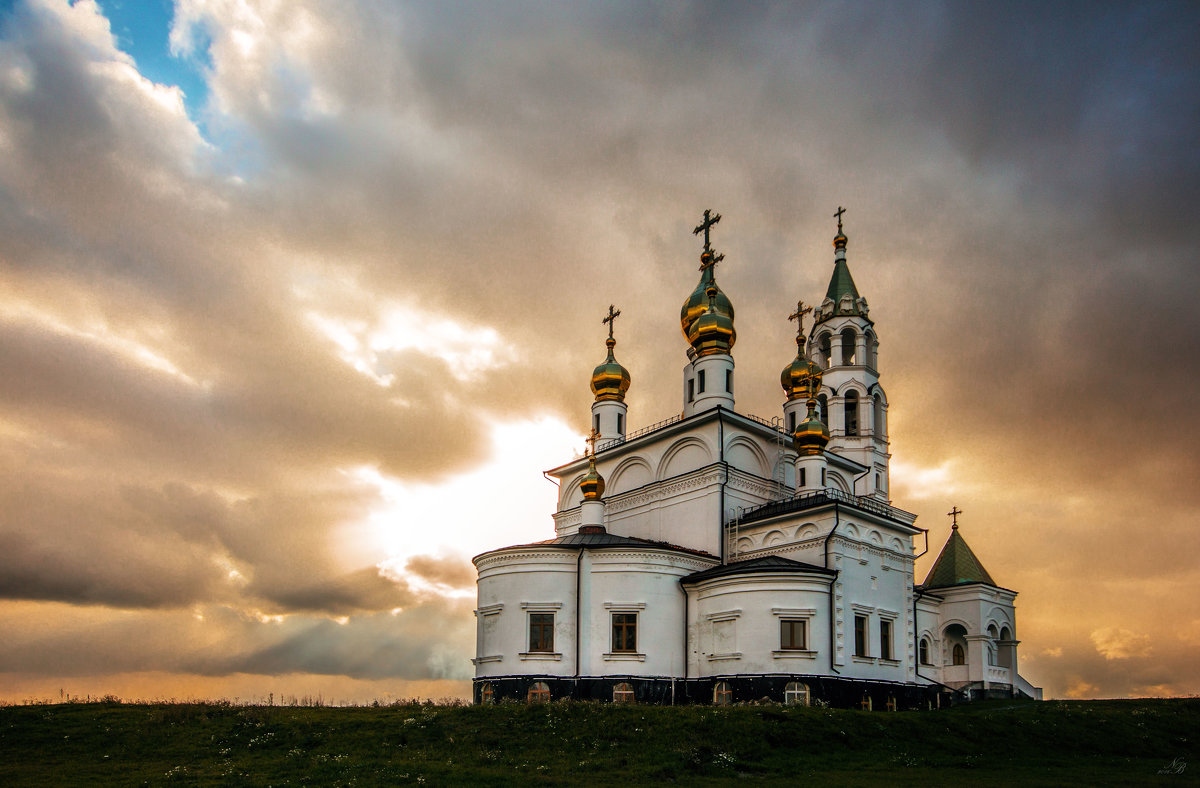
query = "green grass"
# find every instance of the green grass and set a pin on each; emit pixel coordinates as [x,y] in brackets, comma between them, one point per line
[984,744]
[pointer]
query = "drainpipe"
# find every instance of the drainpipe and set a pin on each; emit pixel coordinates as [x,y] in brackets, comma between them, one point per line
[724,478]
[837,520]
[578,610]
[685,642]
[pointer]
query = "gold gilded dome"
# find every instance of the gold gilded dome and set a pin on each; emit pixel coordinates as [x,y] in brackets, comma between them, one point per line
[593,483]
[697,302]
[713,331]
[610,380]
[802,378]
[811,435]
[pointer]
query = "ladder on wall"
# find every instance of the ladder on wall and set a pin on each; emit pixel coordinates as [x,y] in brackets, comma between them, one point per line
[779,474]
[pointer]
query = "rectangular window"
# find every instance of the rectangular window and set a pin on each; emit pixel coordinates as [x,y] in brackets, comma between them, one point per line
[620,424]
[802,483]
[729,380]
[596,423]
[624,632]
[541,632]
[700,388]
[860,636]
[691,390]
[793,634]
[885,639]
[792,421]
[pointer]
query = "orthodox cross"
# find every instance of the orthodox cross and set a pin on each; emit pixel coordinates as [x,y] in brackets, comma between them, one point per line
[954,513]
[798,316]
[611,319]
[591,442]
[709,221]
[838,215]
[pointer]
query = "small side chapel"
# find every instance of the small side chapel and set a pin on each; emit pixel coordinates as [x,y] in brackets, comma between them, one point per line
[718,557]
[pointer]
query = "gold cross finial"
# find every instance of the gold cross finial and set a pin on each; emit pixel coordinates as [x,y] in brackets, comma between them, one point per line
[613,312]
[798,316]
[954,513]
[593,436]
[838,214]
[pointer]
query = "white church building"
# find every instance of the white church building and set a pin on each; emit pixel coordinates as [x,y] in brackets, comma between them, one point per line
[718,557]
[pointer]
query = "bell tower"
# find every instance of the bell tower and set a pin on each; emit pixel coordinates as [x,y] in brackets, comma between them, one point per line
[851,402]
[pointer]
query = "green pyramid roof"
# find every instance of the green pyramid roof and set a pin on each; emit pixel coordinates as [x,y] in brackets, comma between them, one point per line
[841,282]
[956,565]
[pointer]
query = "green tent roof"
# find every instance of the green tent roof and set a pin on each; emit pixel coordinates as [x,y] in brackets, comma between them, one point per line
[841,282]
[956,565]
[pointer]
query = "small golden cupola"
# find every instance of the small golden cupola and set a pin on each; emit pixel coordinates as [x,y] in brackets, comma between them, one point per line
[811,435]
[610,380]
[592,485]
[801,379]
[698,302]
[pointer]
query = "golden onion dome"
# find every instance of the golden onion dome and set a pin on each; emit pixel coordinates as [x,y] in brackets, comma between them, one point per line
[593,483]
[839,240]
[713,331]
[697,303]
[802,378]
[610,380]
[811,435]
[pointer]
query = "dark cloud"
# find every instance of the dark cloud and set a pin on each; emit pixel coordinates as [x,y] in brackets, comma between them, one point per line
[186,325]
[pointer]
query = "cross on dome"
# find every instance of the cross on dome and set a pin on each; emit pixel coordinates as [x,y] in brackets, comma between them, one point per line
[954,513]
[838,215]
[709,220]
[613,313]
[798,316]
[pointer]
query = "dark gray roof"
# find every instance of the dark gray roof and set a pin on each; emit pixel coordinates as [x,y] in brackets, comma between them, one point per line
[770,563]
[578,540]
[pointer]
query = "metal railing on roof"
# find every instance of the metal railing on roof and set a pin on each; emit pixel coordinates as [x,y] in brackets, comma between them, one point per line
[608,444]
[820,498]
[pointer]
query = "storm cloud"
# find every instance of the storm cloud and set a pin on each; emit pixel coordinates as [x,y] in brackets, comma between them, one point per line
[241,337]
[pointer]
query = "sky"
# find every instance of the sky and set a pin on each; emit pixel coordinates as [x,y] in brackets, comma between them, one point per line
[297,300]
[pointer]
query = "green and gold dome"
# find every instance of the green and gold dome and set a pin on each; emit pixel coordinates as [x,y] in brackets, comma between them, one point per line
[712,332]
[610,380]
[801,379]
[811,435]
[697,303]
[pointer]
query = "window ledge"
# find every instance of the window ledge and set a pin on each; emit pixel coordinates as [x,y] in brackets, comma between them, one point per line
[863,659]
[489,658]
[730,655]
[793,653]
[883,661]
[624,656]
[555,656]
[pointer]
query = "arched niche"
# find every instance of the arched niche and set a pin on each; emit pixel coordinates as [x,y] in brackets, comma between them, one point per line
[686,454]
[746,455]
[632,473]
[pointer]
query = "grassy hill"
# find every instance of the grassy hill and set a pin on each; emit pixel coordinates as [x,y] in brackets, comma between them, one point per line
[993,743]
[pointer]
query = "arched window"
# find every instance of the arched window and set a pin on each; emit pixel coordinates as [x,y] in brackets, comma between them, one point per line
[877,426]
[993,633]
[924,651]
[891,703]
[823,408]
[1005,634]
[872,351]
[722,695]
[538,693]
[1006,648]
[851,412]
[959,655]
[825,351]
[486,693]
[796,693]
[623,693]
[849,346]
